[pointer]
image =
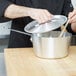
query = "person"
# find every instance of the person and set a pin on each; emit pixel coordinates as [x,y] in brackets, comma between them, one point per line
[72,19]
[21,12]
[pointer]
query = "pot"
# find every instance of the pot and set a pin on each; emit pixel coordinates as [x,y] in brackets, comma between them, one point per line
[49,45]
[46,43]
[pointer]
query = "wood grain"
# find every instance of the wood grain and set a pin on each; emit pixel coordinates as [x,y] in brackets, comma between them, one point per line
[23,62]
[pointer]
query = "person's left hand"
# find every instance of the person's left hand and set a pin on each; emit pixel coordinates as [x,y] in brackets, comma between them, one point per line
[40,15]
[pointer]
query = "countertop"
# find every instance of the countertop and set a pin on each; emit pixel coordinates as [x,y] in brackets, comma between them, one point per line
[23,62]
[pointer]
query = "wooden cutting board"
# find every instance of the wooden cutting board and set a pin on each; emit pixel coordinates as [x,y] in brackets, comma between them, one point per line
[23,62]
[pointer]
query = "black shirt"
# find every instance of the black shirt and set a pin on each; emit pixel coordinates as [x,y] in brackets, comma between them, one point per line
[55,7]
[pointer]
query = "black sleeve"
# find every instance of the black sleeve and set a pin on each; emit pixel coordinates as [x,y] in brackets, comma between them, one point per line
[68,7]
[3,5]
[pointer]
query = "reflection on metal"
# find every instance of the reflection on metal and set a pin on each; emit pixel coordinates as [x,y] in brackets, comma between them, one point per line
[2,65]
[4,36]
[4,31]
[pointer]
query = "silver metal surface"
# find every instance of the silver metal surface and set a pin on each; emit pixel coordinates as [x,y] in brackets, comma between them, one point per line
[20,32]
[4,28]
[54,23]
[50,45]
[2,65]
[4,36]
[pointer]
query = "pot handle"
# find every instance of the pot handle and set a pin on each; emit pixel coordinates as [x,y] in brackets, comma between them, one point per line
[21,32]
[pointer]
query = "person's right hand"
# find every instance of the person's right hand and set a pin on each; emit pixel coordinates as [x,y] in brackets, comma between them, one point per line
[72,16]
[72,20]
[41,15]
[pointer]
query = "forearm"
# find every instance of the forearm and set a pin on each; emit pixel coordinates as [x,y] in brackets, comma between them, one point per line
[15,11]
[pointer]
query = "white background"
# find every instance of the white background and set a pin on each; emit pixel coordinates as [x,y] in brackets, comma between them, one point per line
[74,3]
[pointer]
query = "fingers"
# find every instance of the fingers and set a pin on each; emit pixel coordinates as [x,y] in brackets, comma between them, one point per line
[49,15]
[41,15]
[72,17]
[45,16]
[71,14]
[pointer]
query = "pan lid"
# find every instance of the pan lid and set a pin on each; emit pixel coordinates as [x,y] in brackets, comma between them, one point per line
[54,23]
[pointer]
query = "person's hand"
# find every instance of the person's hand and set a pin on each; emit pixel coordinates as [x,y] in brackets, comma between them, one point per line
[41,15]
[72,20]
[72,16]
[73,26]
